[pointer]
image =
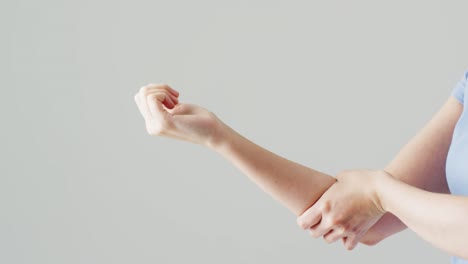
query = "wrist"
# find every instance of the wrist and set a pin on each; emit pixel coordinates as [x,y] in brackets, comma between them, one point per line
[384,182]
[221,137]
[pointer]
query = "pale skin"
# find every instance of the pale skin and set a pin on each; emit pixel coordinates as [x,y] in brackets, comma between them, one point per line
[358,206]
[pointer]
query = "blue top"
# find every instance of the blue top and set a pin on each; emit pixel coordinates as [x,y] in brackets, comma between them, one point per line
[457,158]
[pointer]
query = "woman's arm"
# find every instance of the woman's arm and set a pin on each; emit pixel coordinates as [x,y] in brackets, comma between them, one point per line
[440,219]
[420,163]
[346,211]
[297,187]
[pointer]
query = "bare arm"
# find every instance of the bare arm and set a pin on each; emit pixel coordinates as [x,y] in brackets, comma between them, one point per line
[438,218]
[349,210]
[420,163]
[296,186]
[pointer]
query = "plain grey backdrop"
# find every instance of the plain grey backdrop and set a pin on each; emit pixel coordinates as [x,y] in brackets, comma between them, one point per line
[331,84]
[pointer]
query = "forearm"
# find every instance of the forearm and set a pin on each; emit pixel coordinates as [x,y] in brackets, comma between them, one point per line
[438,218]
[296,186]
[420,163]
[409,173]
[389,224]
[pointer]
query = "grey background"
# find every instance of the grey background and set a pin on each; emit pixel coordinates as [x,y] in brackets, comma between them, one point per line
[330,84]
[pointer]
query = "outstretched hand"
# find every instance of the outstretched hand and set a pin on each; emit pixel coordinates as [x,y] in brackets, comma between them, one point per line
[347,210]
[165,116]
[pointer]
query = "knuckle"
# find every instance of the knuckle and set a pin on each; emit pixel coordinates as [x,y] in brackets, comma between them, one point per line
[346,228]
[165,88]
[144,89]
[326,221]
[301,223]
[338,229]
[339,218]
[325,206]
[329,239]
[314,233]
[151,96]
[159,85]
[332,221]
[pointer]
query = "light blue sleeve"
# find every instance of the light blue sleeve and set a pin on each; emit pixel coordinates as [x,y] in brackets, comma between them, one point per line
[459,90]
